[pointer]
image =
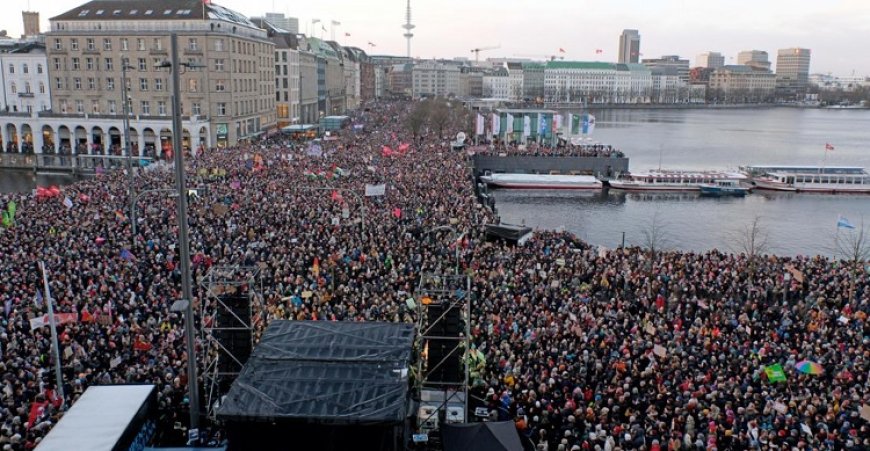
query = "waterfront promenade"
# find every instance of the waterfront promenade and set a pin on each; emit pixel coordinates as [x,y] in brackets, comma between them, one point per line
[583,347]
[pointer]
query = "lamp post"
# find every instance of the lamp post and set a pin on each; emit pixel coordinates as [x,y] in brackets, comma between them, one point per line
[192,382]
[125,99]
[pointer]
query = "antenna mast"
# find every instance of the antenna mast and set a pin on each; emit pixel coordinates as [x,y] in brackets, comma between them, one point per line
[408,27]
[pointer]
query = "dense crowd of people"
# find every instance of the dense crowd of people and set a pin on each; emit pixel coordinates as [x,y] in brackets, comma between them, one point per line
[583,348]
[563,149]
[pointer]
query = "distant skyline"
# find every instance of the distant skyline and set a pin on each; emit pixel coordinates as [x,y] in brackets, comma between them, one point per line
[835,31]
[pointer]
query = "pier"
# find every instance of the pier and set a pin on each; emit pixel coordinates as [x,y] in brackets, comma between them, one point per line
[68,164]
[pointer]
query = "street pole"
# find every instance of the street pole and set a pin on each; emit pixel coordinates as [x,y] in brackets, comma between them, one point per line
[192,383]
[126,124]
[53,324]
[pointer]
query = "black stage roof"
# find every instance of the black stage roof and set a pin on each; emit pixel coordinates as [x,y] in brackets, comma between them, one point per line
[325,371]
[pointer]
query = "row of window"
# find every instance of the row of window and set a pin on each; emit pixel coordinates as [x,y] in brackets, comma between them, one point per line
[14,88]
[91,63]
[25,69]
[245,107]
[193,45]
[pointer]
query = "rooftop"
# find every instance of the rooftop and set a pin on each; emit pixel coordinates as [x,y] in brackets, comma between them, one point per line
[580,65]
[152,10]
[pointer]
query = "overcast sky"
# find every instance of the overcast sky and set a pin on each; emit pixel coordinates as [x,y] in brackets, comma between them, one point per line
[837,31]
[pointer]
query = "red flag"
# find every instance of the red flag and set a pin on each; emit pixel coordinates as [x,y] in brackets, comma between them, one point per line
[315,267]
[828,146]
[386,151]
[598,51]
[336,196]
[347,34]
[87,317]
[561,50]
[370,44]
[141,345]
[397,212]
[36,410]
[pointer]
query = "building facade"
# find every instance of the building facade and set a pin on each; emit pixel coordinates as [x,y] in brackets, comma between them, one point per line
[629,46]
[470,82]
[497,84]
[711,60]
[757,59]
[741,84]
[433,78]
[792,72]
[670,61]
[533,81]
[308,88]
[24,75]
[228,81]
[596,82]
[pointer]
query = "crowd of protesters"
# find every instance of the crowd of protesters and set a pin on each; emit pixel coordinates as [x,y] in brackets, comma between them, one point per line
[583,348]
[563,149]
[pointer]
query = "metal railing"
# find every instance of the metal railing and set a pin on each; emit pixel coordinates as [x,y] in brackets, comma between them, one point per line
[68,163]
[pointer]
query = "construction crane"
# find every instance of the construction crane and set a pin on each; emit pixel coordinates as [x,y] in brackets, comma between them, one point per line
[546,57]
[481,49]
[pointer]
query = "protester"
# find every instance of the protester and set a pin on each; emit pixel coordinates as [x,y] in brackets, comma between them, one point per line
[584,348]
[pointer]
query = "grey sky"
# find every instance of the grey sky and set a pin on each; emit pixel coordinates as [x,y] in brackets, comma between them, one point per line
[835,30]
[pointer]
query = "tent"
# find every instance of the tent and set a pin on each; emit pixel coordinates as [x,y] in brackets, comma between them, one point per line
[498,436]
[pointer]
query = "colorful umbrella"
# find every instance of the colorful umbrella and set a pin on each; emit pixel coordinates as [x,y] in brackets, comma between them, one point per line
[809,367]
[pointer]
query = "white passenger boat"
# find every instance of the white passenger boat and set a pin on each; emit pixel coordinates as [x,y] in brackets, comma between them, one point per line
[672,180]
[724,188]
[541,181]
[810,179]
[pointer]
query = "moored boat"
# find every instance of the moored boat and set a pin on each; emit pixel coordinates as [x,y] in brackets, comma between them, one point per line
[810,179]
[723,188]
[541,181]
[671,180]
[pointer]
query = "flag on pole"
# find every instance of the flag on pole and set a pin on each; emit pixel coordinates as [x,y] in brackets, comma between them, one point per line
[828,147]
[561,50]
[598,51]
[371,44]
[510,124]
[479,126]
[844,223]
[496,124]
[588,124]
[127,255]
[527,126]
[775,373]
[347,35]
[67,202]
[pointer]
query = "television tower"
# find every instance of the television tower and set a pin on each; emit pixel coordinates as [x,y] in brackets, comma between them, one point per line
[408,27]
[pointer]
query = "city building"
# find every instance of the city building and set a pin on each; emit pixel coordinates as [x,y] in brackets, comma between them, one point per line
[754,58]
[497,84]
[674,61]
[470,82]
[596,82]
[381,77]
[24,75]
[401,80]
[629,46]
[792,72]
[227,85]
[533,81]
[279,20]
[711,60]
[667,87]
[31,23]
[828,82]
[434,78]
[741,84]
[308,86]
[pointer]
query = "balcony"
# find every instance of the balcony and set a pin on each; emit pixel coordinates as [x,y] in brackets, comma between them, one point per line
[25,94]
[156,51]
[190,51]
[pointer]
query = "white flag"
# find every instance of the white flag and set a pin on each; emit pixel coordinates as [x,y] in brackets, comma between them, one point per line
[496,124]
[510,124]
[375,190]
[527,126]
[479,128]
[68,202]
[557,122]
[39,321]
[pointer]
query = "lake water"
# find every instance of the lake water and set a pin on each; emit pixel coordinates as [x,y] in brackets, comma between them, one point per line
[12,181]
[711,139]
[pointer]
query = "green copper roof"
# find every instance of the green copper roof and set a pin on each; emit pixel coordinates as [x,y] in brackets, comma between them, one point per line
[580,65]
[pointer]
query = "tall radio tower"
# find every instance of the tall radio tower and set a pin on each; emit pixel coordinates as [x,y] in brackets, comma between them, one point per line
[408,27]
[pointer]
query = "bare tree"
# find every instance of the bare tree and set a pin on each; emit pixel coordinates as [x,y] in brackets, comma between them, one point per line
[418,117]
[853,246]
[654,232]
[439,115]
[753,241]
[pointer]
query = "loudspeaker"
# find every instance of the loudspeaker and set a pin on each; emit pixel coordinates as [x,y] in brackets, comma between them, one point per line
[450,325]
[232,330]
[444,361]
[240,306]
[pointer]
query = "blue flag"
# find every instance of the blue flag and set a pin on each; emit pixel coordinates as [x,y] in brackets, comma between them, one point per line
[844,223]
[127,255]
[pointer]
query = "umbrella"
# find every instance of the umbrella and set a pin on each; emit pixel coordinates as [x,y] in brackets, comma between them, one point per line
[809,367]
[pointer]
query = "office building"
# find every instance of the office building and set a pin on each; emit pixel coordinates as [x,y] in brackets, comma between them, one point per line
[434,78]
[629,46]
[741,84]
[792,72]
[754,58]
[24,75]
[227,86]
[711,60]
[674,61]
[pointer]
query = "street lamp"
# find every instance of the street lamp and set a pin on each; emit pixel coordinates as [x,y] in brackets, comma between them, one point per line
[183,241]
[125,99]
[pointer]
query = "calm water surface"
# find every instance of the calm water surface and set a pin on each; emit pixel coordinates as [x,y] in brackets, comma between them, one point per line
[706,139]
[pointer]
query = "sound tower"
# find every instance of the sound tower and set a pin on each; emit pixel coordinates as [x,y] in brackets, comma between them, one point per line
[233,332]
[444,362]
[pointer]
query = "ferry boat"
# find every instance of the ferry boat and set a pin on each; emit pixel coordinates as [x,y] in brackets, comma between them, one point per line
[724,188]
[541,181]
[671,180]
[810,179]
